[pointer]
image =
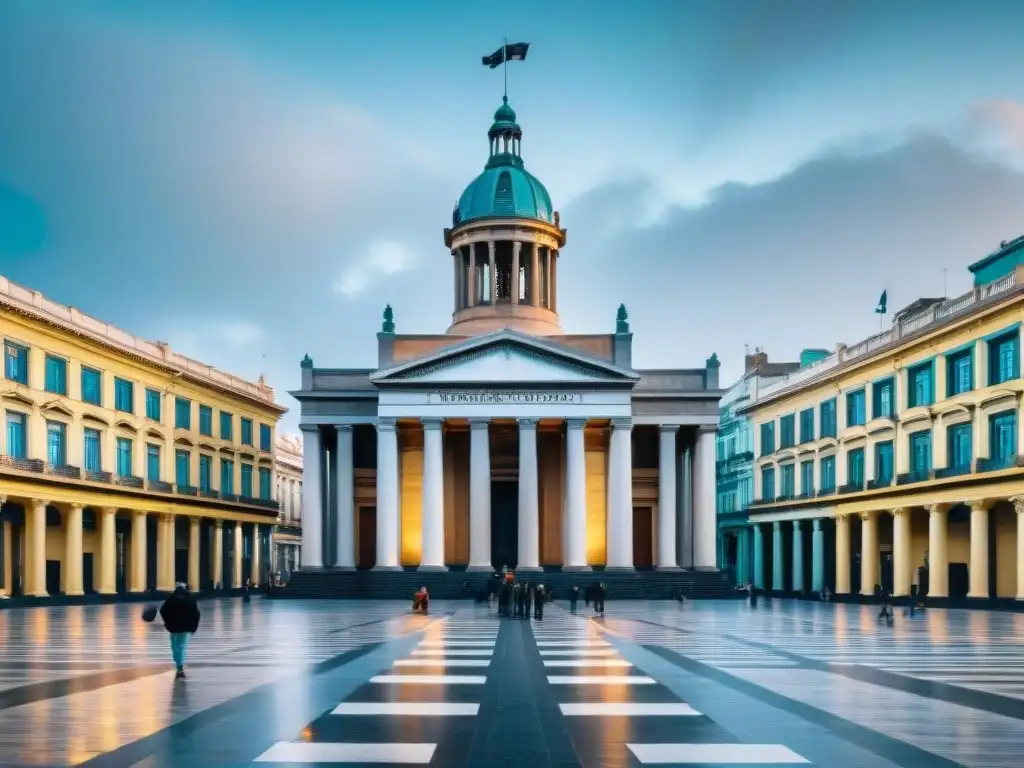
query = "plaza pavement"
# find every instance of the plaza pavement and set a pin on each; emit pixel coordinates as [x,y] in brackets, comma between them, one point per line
[367,683]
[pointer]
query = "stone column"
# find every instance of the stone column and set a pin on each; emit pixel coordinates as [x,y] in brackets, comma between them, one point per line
[758,556]
[798,557]
[493,274]
[978,568]
[165,553]
[432,558]
[387,496]
[312,498]
[479,496]
[684,529]
[254,561]
[1018,506]
[471,279]
[457,279]
[842,555]
[514,288]
[218,554]
[346,499]
[193,554]
[529,500]
[35,548]
[901,552]
[620,496]
[938,551]
[535,275]
[72,565]
[704,522]
[575,497]
[667,497]
[137,580]
[236,559]
[108,554]
[778,566]
[869,552]
[817,557]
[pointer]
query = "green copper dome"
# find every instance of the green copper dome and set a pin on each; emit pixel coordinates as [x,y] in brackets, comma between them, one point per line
[505,189]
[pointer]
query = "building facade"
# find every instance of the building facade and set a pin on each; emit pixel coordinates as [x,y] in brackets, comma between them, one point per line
[896,461]
[505,441]
[288,533]
[734,465]
[125,466]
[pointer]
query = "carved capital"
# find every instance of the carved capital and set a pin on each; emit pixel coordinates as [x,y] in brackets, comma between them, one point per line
[865,516]
[313,428]
[937,509]
[218,524]
[527,424]
[979,505]
[387,425]
[44,503]
[672,428]
[575,423]
[707,429]
[1018,504]
[194,521]
[167,517]
[899,512]
[343,427]
[3,500]
[107,511]
[76,505]
[622,424]
[431,422]
[479,423]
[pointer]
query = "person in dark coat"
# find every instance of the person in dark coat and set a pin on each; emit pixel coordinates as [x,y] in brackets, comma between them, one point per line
[517,595]
[599,596]
[574,596]
[538,604]
[181,619]
[528,590]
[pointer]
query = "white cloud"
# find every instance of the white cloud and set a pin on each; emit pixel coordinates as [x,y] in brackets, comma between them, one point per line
[240,334]
[383,259]
[996,128]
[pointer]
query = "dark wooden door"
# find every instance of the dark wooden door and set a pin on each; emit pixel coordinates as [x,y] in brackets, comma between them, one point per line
[504,524]
[643,538]
[87,566]
[367,538]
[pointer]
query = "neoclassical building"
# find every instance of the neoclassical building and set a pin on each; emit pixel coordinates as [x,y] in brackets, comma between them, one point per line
[288,532]
[504,440]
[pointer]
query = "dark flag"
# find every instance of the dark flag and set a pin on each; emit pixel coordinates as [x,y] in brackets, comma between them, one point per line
[883,302]
[510,52]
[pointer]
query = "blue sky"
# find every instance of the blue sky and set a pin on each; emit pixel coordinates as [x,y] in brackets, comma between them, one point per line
[246,179]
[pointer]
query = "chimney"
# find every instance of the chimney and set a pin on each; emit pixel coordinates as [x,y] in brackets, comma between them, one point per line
[756,360]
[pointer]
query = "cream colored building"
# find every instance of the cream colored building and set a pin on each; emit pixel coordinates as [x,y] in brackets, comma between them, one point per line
[506,441]
[901,451]
[288,533]
[124,465]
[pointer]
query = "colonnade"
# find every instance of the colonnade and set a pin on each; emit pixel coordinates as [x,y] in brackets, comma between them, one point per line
[433,557]
[539,263]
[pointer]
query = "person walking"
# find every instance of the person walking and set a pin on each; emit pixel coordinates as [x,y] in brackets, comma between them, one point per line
[574,597]
[181,619]
[600,593]
[538,605]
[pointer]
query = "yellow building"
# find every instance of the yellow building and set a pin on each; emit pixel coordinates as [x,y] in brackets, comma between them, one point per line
[125,466]
[897,461]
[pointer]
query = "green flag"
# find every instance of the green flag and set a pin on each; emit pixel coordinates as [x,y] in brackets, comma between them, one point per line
[883,300]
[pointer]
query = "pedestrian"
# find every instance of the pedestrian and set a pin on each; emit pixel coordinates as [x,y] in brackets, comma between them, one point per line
[538,604]
[528,595]
[245,592]
[574,597]
[181,619]
[752,593]
[599,595]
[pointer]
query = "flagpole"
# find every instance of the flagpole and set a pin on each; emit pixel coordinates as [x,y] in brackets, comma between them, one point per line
[504,66]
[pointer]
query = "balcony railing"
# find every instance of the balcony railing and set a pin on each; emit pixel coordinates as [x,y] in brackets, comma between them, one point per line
[128,481]
[826,491]
[994,463]
[954,471]
[766,500]
[879,482]
[914,476]
[851,488]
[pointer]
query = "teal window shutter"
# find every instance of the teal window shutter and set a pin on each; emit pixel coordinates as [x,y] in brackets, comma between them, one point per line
[56,375]
[91,450]
[206,420]
[182,462]
[960,448]
[1003,436]
[205,471]
[921,452]
[55,435]
[264,484]
[246,489]
[153,463]
[227,476]
[124,457]
[16,362]
[225,425]
[92,386]
[182,413]
[16,448]
[153,405]
[883,462]
[124,395]
[265,437]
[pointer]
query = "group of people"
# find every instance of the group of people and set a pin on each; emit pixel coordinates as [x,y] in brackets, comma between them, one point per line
[515,598]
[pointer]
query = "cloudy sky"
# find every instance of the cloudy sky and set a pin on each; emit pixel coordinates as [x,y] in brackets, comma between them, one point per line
[255,181]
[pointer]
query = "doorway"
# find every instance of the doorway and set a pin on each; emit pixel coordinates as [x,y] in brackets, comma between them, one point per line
[367,555]
[504,524]
[643,538]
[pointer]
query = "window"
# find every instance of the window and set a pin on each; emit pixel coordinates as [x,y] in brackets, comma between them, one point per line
[92,450]
[153,405]
[124,457]
[807,425]
[182,413]
[16,362]
[206,420]
[92,386]
[225,425]
[827,473]
[922,385]
[205,472]
[959,373]
[787,432]
[960,448]
[828,418]
[124,395]
[56,375]
[768,484]
[807,478]
[264,437]
[227,476]
[264,484]
[883,463]
[855,468]
[153,463]
[767,438]
[788,472]
[182,462]
[246,431]
[855,411]
[1003,358]
[1002,435]
[16,433]
[56,432]
[881,399]
[921,453]
[246,489]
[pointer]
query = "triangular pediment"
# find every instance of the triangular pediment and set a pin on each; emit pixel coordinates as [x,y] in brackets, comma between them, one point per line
[507,357]
[56,406]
